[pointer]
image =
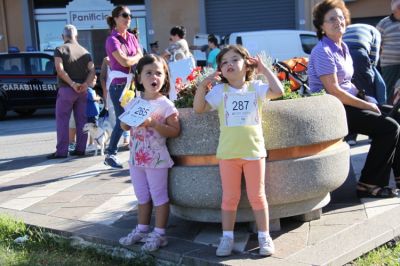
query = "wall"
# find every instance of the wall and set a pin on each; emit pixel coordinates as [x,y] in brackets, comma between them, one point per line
[165,15]
[12,25]
[358,9]
[3,28]
[369,8]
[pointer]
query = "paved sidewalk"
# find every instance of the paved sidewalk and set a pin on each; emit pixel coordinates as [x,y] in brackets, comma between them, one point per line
[85,198]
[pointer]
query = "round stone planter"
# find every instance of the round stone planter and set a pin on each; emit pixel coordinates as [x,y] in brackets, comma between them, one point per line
[307,159]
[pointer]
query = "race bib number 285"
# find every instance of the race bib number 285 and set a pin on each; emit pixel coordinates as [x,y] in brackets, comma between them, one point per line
[137,111]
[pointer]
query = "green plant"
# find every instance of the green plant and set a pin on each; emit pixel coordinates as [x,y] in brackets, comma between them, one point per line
[289,94]
[43,248]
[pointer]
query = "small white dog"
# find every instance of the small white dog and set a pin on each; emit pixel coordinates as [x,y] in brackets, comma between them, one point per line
[100,135]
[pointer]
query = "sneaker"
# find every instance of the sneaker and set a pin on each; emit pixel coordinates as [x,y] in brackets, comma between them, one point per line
[71,146]
[133,237]
[154,241]
[55,156]
[77,153]
[267,247]
[112,161]
[351,142]
[225,247]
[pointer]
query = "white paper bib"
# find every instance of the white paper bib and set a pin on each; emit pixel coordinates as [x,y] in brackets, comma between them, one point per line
[241,109]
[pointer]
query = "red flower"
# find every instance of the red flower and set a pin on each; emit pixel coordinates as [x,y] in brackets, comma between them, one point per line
[178,81]
[194,74]
[191,77]
[142,157]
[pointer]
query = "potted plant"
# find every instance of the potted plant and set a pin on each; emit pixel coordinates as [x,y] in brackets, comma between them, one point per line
[306,156]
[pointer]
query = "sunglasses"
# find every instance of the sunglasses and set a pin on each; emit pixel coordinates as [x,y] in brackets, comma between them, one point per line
[126,15]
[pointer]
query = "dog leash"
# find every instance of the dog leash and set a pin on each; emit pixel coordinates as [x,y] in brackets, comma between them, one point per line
[97,139]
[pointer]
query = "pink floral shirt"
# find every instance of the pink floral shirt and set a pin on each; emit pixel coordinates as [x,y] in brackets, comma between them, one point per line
[147,147]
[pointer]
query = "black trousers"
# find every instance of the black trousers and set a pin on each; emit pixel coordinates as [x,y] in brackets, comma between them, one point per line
[384,153]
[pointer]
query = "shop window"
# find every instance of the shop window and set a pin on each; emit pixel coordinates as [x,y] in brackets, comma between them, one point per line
[94,41]
[50,32]
[140,23]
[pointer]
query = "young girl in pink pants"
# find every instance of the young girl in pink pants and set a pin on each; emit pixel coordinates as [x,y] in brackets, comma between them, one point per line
[149,157]
[238,99]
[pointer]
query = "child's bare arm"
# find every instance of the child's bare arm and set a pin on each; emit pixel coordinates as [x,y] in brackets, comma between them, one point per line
[200,105]
[171,129]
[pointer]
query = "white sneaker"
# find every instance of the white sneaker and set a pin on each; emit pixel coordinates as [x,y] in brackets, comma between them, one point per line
[225,247]
[154,241]
[135,236]
[267,247]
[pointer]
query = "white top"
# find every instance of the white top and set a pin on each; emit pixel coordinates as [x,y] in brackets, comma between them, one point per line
[214,97]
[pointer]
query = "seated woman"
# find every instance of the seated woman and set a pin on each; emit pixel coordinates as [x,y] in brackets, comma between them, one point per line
[331,68]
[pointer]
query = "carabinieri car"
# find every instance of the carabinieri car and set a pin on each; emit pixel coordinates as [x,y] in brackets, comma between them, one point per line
[28,81]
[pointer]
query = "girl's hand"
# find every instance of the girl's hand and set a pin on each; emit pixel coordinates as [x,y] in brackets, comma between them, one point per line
[258,63]
[211,79]
[149,122]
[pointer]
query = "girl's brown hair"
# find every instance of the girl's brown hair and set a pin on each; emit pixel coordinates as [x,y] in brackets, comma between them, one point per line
[150,59]
[324,7]
[250,72]
[114,14]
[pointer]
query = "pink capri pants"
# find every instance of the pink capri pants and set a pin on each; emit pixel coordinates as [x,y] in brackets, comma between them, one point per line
[231,178]
[150,184]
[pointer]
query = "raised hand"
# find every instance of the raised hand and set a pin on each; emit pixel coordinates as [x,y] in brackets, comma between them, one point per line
[211,79]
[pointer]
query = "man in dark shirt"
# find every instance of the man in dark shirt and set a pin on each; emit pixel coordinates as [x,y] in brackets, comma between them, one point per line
[75,70]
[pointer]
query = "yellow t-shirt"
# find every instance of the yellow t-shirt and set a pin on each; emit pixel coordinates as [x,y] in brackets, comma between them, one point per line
[240,141]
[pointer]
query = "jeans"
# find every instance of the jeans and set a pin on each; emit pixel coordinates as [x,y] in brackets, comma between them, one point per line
[115,94]
[380,87]
[390,74]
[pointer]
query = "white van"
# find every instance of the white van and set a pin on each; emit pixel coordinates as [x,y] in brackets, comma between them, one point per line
[279,44]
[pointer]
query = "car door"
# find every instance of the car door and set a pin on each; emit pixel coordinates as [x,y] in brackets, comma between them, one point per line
[12,80]
[41,79]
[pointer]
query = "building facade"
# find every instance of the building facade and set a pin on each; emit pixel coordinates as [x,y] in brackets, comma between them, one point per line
[37,24]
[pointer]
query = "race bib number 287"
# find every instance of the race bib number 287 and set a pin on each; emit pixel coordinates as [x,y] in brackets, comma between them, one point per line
[241,109]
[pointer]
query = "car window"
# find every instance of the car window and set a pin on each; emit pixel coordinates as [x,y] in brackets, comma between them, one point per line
[308,42]
[41,66]
[12,65]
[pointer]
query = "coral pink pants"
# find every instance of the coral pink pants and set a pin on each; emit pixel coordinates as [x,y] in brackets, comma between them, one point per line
[231,176]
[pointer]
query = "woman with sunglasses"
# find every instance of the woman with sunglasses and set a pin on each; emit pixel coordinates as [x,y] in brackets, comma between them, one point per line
[124,52]
[331,68]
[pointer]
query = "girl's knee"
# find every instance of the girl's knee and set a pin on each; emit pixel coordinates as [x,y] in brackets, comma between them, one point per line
[230,203]
[258,202]
[143,199]
[142,196]
[159,197]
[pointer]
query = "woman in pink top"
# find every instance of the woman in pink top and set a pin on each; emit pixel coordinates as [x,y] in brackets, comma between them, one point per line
[123,51]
